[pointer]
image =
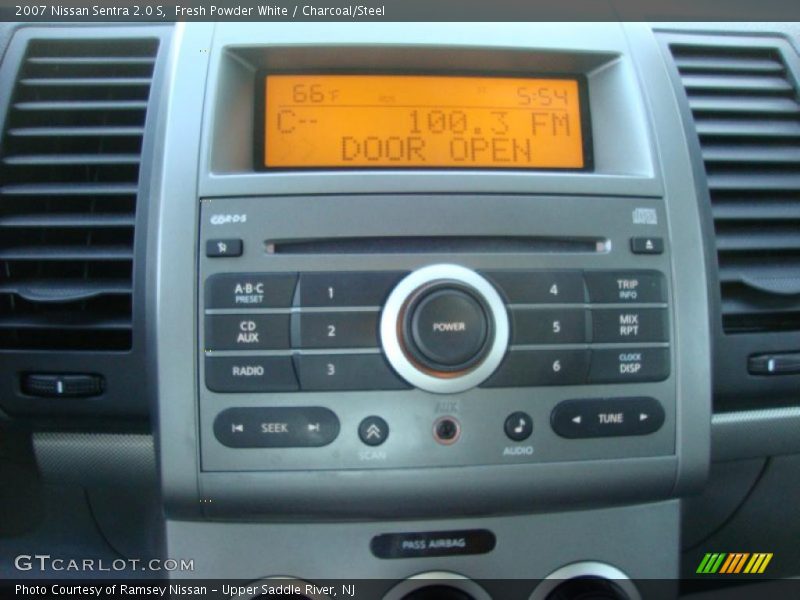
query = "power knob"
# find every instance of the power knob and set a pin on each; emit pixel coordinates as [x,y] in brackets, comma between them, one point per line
[444,328]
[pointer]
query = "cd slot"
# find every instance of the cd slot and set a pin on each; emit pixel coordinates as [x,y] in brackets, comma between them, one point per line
[440,245]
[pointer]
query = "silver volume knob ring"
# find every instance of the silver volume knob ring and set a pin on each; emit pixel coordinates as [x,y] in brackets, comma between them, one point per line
[391,329]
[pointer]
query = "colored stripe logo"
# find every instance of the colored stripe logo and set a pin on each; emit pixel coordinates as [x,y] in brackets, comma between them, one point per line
[733,563]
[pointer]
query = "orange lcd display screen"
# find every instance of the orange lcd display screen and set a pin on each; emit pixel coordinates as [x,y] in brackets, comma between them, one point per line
[400,121]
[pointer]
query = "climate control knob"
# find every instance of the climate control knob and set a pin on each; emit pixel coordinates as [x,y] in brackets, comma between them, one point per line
[444,328]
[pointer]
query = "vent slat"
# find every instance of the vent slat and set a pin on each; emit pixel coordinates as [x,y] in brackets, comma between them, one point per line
[81,105]
[87,82]
[758,128]
[734,83]
[67,290]
[754,181]
[69,189]
[49,132]
[91,60]
[751,153]
[71,159]
[761,105]
[758,240]
[763,210]
[69,183]
[733,64]
[67,253]
[65,323]
[66,220]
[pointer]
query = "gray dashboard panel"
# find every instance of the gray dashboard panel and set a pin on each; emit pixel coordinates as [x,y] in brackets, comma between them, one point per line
[639,159]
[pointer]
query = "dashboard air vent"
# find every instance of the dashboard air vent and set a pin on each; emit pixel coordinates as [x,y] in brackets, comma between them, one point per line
[747,115]
[69,177]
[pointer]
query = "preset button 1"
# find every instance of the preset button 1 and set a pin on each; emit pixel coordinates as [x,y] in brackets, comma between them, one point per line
[342,289]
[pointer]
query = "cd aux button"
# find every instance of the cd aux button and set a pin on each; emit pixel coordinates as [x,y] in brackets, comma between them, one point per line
[247,332]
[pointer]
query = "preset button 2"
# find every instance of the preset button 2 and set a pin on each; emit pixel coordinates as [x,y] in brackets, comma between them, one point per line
[336,329]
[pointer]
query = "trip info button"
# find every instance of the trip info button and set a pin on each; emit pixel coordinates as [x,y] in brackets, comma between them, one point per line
[289,427]
[250,374]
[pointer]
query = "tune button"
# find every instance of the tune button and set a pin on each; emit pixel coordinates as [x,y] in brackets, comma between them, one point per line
[448,329]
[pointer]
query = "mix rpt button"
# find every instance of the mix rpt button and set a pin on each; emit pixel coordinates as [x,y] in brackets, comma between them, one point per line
[630,325]
[621,365]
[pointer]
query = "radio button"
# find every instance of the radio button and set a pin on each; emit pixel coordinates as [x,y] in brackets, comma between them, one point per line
[623,365]
[335,330]
[247,332]
[328,372]
[295,427]
[630,325]
[233,374]
[540,287]
[607,417]
[546,326]
[250,290]
[523,368]
[337,289]
[625,286]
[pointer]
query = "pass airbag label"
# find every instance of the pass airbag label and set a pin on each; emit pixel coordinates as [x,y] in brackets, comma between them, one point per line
[433,543]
